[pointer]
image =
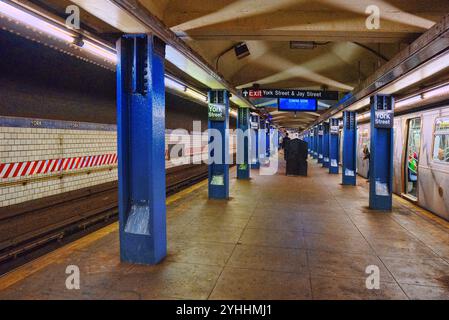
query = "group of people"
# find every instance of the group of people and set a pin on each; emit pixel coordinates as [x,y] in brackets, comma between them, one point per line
[296,152]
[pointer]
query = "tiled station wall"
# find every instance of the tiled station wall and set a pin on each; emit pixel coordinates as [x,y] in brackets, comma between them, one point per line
[41,158]
[37,162]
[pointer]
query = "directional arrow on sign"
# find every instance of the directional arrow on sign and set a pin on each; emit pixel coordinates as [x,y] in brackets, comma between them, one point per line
[245,93]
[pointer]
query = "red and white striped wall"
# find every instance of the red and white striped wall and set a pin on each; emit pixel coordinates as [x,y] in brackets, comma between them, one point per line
[29,168]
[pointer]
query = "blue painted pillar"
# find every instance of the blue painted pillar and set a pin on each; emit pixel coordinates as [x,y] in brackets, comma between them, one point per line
[314,152]
[141,148]
[310,142]
[320,143]
[334,145]
[349,165]
[381,160]
[243,166]
[262,146]
[255,160]
[268,140]
[326,145]
[218,125]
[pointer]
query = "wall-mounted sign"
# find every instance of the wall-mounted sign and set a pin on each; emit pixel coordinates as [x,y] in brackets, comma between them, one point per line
[217,180]
[289,93]
[334,129]
[255,125]
[217,112]
[383,119]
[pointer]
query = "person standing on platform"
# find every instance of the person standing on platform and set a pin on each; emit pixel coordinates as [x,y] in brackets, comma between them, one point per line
[285,143]
[366,156]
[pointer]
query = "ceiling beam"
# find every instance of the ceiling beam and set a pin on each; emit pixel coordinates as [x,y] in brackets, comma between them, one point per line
[312,35]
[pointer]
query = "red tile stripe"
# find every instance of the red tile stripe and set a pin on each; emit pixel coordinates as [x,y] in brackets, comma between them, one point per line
[29,168]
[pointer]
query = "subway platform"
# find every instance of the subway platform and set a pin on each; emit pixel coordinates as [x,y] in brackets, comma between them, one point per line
[278,237]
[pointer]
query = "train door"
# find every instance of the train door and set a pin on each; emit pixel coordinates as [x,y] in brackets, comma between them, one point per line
[412,157]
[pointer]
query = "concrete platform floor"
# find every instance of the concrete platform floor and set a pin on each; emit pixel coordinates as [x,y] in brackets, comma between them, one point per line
[278,237]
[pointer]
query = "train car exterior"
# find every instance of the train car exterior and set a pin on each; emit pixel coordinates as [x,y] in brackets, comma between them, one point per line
[421,158]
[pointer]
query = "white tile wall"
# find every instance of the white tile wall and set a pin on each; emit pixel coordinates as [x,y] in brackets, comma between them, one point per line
[28,144]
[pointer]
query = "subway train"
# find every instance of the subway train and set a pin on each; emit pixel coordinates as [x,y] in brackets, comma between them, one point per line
[421,157]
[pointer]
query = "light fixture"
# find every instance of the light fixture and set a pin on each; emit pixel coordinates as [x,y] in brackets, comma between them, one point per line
[302,45]
[175,85]
[99,51]
[195,94]
[359,104]
[408,101]
[363,116]
[94,47]
[428,69]
[437,92]
[36,23]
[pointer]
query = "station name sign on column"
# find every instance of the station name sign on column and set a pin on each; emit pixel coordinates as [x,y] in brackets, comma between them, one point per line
[383,119]
[217,112]
[289,93]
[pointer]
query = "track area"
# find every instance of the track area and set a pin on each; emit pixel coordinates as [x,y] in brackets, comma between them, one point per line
[31,229]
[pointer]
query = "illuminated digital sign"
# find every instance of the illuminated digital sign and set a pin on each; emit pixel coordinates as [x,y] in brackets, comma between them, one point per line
[294,105]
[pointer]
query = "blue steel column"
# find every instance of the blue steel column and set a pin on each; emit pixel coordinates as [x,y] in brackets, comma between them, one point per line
[310,143]
[261,145]
[313,152]
[315,143]
[325,145]
[255,160]
[243,169]
[334,146]
[320,143]
[141,148]
[267,142]
[381,159]
[349,148]
[219,172]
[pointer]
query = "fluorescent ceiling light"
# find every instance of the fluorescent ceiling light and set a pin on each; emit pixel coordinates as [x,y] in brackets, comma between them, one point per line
[175,85]
[408,101]
[100,51]
[359,104]
[61,33]
[437,92]
[428,69]
[363,116]
[195,94]
[34,22]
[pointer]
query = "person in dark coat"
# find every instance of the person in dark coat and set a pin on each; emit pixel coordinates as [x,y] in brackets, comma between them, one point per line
[296,157]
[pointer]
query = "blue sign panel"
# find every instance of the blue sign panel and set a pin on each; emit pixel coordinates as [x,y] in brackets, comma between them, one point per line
[297,104]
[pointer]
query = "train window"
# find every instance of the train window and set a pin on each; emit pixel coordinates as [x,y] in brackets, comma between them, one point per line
[441,140]
[412,158]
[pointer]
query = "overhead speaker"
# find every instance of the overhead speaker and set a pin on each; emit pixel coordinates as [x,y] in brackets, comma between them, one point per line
[241,50]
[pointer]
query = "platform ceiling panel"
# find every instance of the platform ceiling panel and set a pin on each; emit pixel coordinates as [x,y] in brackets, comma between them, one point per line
[344,51]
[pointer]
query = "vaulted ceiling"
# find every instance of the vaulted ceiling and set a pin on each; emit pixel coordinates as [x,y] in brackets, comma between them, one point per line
[345,53]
